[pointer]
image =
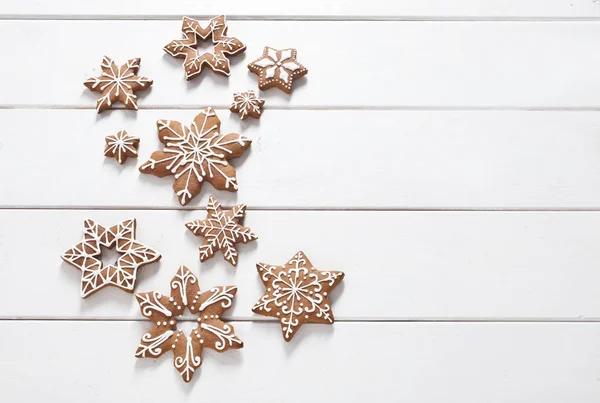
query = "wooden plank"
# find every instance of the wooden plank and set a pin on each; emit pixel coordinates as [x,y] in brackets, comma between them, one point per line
[318,159]
[421,363]
[451,65]
[398,265]
[313,9]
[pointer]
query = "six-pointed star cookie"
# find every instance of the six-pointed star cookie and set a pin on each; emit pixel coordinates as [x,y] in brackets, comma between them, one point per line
[122,274]
[221,231]
[216,59]
[296,293]
[211,332]
[277,68]
[247,104]
[195,154]
[121,146]
[118,84]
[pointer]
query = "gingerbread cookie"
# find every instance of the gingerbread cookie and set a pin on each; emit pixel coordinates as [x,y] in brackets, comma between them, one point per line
[277,68]
[247,104]
[216,59]
[95,276]
[296,293]
[121,146]
[118,84]
[195,154]
[211,332]
[221,231]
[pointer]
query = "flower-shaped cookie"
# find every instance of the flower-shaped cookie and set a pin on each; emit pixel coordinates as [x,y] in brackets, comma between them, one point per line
[277,68]
[216,59]
[247,104]
[211,332]
[121,146]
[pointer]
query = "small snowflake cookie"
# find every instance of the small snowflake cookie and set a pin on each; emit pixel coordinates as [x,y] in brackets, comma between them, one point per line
[277,68]
[121,146]
[195,154]
[296,293]
[247,104]
[132,255]
[118,84]
[216,58]
[221,231]
[211,331]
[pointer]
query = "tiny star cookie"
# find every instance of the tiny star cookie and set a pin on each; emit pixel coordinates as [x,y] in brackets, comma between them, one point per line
[277,68]
[211,332]
[247,104]
[121,146]
[221,231]
[122,274]
[118,84]
[296,293]
[216,59]
[195,154]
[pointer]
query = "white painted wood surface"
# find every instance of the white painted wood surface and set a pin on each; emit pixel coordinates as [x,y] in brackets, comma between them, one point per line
[472,105]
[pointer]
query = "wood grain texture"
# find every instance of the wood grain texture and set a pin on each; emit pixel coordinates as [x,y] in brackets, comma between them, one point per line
[318,159]
[421,363]
[451,65]
[307,9]
[398,265]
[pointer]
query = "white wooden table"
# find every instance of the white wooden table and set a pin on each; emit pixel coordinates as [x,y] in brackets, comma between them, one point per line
[444,155]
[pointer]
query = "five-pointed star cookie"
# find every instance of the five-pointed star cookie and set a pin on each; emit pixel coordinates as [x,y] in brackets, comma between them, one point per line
[211,332]
[118,84]
[296,293]
[277,68]
[195,154]
[216,59]
[221,231]
[121,146]
[122,274]
[247,104]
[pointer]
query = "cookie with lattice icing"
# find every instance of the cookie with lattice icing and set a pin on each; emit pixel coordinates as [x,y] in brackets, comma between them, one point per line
[217,58]
[296,293]
[277,68]
[246,104]
[196,154]
[221,231]
[121,146]
[118,84]
[211,331]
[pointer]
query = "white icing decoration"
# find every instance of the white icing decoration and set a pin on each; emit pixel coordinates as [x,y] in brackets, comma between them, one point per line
[180,283]
[219,294]
[278,65]
[265,62]
[225,335]
[147,305]
[292,66]
[247,103]
[119,144]
[270,72]
[151,345]
[189,362]
[285,54]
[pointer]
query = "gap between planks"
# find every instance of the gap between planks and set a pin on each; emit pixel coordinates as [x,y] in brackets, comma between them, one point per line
[308,209]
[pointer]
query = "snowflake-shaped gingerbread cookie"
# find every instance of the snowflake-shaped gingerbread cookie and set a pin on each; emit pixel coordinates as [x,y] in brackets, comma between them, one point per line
[246,104]
[296,293]
[94,275]
[118,84]
[121,146]
[195,154]
[221,231]
[211,332]
[216,59]
[277,68]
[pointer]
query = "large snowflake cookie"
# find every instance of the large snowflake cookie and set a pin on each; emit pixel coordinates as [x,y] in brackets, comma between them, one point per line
[277,68]
[121,146]
[195,154]
[246,104]
[296,293]
[216,58]
[211,332]
[132,255]
[118,84]
[221,231]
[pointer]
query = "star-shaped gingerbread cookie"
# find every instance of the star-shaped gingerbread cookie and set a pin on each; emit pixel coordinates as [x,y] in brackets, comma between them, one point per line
[221,231]
[277,68]
[118,84]
[216,59]
[211,332]
[121,146]
[94,275]
[296,293]
[246,104]
[195,154]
